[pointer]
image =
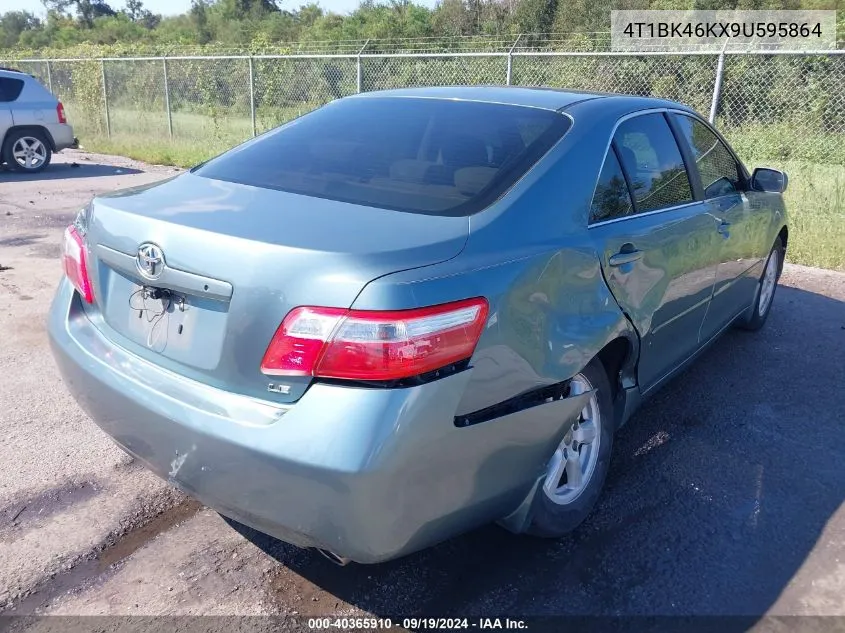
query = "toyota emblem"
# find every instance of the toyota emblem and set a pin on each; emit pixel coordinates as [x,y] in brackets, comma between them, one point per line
[150,260]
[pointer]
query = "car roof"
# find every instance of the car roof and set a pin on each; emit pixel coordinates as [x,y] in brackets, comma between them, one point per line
[14,73]
[546,98]
[4,70]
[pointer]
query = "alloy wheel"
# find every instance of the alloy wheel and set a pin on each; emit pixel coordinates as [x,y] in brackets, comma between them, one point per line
[573,463]
[29,152]
[767,285]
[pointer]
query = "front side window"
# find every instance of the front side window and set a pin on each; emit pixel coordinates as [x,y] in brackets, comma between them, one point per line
[611,198]
[720,174]
[417,155]
[653,162]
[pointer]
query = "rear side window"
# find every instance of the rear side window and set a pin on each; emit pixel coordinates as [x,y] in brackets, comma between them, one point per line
[720,174]
[429,156]
[611,198]
[653,162]
[10,89]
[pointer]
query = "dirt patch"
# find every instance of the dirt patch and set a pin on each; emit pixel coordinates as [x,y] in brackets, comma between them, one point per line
[30,513]
[21,240]
[87,571]
[45,250]
[132,541]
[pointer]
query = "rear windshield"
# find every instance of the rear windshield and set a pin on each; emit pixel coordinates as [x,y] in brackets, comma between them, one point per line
[428,156]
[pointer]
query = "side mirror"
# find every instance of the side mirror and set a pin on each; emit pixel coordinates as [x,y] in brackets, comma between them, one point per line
[765,179]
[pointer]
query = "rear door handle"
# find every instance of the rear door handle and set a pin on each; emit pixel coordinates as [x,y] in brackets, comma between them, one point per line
[724,229]
[624,257]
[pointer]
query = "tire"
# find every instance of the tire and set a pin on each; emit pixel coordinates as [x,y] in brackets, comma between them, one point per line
[764,299]
[558,510]
[27,151]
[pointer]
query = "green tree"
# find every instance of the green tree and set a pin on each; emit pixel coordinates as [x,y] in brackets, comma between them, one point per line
[86,10]
[535,16]
[13,24]
[136,12]
[308,14]
[199,19]
[245,9]
[452,18]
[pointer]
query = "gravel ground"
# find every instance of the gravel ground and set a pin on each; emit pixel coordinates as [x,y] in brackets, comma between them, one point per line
[725,496]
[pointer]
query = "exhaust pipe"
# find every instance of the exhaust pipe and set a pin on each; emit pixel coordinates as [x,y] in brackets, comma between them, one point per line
[337,560]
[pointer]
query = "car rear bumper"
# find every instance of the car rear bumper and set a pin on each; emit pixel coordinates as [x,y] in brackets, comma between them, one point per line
[62,135]
[369,474]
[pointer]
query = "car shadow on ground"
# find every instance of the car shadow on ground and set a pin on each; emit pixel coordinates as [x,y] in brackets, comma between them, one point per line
[58,171]
[719,491]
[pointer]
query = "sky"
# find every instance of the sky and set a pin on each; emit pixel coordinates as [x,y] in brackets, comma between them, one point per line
[172,7]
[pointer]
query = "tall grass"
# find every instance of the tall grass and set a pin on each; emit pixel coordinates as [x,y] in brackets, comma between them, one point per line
[197,136]
[815,201]
[815,198]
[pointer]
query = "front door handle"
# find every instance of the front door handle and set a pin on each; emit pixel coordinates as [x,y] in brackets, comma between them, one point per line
[624,257]
[724,229]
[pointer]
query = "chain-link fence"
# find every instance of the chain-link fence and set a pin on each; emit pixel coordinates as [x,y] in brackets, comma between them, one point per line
[770,105]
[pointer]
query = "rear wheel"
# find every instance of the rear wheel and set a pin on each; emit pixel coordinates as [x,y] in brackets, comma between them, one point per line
[766,289]
[27,151]
[576,471]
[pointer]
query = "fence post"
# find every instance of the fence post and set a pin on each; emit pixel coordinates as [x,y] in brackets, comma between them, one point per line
[252,96]
[105,97]
[360,74]
[510,60]
[717,85]
[167,98]
[49,78]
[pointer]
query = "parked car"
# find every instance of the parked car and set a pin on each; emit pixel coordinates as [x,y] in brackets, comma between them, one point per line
[414,312]
[32,123]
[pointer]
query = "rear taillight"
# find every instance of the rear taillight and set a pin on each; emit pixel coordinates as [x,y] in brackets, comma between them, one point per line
[370,345]
[75,262]
[60,112]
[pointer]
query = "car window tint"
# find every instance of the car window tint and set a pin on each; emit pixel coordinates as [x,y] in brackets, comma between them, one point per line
[530,129]
[653,162]
[10,89]
[719,171]
[430,156]
[611,198]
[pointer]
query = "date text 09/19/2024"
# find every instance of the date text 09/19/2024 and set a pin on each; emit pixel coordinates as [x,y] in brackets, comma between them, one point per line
[415,623]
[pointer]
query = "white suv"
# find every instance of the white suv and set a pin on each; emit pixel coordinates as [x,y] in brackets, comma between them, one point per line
[32,123]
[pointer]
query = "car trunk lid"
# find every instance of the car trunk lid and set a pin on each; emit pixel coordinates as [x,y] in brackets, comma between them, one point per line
[236,260]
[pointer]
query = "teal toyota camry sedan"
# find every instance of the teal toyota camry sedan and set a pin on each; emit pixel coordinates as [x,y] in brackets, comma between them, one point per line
[414,312]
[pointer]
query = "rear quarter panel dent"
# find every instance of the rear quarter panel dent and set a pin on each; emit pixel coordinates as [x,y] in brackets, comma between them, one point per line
[550,314]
